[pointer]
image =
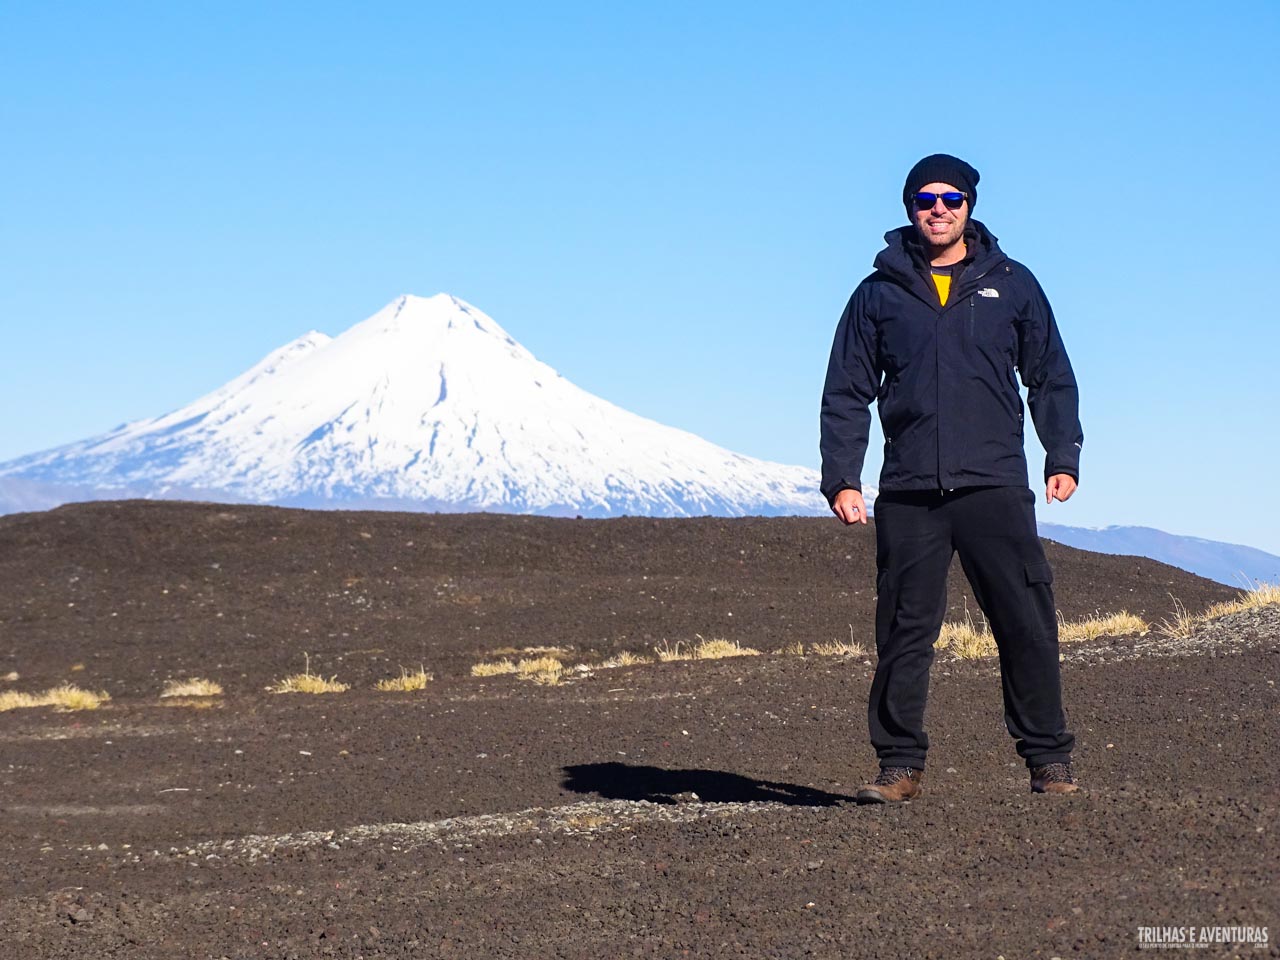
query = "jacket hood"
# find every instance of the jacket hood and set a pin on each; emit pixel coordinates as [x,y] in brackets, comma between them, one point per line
[904,258]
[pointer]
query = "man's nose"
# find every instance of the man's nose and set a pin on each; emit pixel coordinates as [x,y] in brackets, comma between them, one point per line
[939,206]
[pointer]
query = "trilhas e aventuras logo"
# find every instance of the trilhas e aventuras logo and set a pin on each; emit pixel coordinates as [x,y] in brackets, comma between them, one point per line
[1191,937]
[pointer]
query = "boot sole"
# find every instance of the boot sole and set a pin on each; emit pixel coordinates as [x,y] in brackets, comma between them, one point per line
[874,796]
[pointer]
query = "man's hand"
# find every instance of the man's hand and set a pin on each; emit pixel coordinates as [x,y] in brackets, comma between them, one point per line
[1060,487]
[849,507]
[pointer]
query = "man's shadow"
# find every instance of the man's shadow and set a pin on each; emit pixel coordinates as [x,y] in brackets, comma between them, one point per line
[621,781]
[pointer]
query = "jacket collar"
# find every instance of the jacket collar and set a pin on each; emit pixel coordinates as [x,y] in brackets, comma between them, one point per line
[904,260]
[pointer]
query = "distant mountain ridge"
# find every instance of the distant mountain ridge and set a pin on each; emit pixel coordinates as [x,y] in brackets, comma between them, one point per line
[427,405]
[1229,563]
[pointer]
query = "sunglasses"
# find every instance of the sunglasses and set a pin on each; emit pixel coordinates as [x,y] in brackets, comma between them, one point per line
[952,201]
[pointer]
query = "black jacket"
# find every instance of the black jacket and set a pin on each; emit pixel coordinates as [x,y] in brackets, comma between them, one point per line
[943,376]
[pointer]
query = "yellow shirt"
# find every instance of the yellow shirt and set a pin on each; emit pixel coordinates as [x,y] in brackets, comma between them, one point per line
[943,282]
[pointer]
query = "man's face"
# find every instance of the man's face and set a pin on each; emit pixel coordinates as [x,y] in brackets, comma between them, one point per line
[938,226]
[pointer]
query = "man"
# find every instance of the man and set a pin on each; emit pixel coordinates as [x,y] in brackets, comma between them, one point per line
[934,336]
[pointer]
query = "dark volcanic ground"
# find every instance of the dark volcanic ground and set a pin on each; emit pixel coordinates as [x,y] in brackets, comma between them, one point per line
[142,591]
[680,809]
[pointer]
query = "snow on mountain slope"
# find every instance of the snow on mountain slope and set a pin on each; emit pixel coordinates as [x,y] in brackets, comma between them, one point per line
[429,404]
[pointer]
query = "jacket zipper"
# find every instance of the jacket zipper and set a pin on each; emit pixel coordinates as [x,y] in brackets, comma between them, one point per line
[937,385]
[943,491]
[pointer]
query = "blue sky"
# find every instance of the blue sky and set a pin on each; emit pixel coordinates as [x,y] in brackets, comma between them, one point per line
[669,203]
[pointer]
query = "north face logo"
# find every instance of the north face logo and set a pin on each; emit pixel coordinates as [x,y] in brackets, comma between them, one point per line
[989,292]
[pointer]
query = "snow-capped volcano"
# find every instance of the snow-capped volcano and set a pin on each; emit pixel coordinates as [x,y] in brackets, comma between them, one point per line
[429,404]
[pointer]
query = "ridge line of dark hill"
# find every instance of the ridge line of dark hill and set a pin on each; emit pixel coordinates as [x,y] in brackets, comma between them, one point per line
[138,591]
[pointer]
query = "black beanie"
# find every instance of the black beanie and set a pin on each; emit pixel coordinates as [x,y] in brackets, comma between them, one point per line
[941,168]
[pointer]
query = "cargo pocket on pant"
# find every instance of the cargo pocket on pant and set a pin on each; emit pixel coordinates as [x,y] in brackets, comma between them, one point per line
[1039,572]
[1043,614]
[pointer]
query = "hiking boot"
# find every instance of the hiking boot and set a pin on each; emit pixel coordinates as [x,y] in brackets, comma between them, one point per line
[892,785]
[1053,778]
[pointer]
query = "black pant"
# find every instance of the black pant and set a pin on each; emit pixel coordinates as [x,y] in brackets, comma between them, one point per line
[994,531]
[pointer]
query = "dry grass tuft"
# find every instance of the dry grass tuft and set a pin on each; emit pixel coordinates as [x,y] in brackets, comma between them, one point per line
[1122,624]
[793,649]
[1183,625]
[666,652]
[969,641]
[625,659]
[966,640]
[1258,595]
[493,669]
[716,649]
[308,682]
[192,687]
[1262,595]
[13,700]
[10,677]
[539,665]
[64,698]
[547,670]
[69,697]
[838,648]
[406,681]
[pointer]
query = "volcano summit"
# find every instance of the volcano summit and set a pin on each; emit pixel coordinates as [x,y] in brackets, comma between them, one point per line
[427,405]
